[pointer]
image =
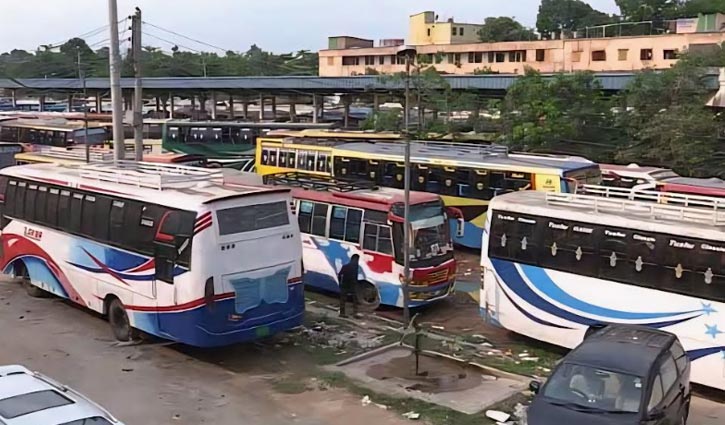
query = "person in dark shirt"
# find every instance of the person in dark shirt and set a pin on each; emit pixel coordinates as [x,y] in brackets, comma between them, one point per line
[347,278]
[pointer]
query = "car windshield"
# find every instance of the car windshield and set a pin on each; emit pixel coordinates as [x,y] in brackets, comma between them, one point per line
[586,387]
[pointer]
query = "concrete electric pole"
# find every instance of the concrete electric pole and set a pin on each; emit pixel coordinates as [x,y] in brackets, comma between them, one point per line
[138,91]
[116,94]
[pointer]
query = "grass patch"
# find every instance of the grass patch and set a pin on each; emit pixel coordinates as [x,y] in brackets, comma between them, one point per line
[429,413]
[289,385]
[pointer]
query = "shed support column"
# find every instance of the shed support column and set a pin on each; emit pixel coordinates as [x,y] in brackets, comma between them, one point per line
[274,108]
[41,103]
[213,105]
[245,110]
[376,103]
[315,108]
[158,104]
[172,107]
[231,107]
[70,102]
[292,111]
[346,101]
[193,102]
[14,99]
[99,102]
[261,107]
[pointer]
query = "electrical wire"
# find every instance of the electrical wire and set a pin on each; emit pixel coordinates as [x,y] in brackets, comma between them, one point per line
[186,37]
[170,42]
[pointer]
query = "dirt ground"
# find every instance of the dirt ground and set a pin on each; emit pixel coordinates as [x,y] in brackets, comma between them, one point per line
[154,384]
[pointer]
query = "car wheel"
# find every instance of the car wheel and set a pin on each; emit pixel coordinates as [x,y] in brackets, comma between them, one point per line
[118,318]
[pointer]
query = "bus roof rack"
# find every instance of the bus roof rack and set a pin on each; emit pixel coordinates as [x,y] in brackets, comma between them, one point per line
[639,207]
[647,194]
[143,174]
[321,183]
[75,153]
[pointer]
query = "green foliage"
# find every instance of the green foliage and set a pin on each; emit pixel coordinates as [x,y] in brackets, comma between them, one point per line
[648,10]
[486,70]
[503,28]
[383,121]
[539,112]
[556,16]
[63,63]
[694,7]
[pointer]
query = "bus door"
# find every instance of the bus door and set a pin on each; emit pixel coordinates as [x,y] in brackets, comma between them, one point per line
[172,252]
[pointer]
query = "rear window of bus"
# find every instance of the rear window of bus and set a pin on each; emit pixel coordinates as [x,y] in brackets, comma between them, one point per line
[252,217]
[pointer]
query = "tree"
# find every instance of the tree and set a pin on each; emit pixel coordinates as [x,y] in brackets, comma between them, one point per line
[695,7]
[539,113]
[649,10]
[664,115]
[556,16]
[504,28]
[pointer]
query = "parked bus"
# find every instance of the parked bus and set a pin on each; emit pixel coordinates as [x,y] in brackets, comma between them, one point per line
[633,175]
[35,132]
[556,266]
[692,186]
[219,140]
[77,156]
[338,219]
[466,176]
[168,250]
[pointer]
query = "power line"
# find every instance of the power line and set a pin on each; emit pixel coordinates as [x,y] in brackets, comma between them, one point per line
[186,37]
[171,42]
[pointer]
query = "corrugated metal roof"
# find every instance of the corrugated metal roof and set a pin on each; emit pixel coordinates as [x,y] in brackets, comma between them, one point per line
[493,82]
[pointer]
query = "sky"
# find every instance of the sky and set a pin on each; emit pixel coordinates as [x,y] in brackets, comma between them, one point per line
[275,25]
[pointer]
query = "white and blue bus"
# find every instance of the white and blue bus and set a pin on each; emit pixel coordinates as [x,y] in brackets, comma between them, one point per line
[169,250]
[557,265]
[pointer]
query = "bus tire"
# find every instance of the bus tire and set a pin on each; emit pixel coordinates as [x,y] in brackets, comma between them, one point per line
[118,319]
[368,296]
[22,272]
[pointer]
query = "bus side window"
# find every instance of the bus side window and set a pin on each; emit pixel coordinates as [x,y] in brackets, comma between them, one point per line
[88,216]
[374,172]
[497,182]
[524,244]
[30,195]
[311,161]
[51,217]
[377,238]
[339,167]
[265,156]
[419,177]
[517,181]
[301,160]
[319,220]
[710,266]
[322,163]
[10,198]
[389,174]
[291,159]
[501,234]
[41,205]
[481,188]
[678,272]
[117,233]
[644,260]
[20,202]
[613,253]
[304,216]
[463,176]
[283,158]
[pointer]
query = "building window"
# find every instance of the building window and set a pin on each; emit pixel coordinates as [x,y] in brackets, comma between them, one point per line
[623,54]
[457,57]
[500,57]
[350,60]
[599,55]
[460,31]
[540,55]
[400,60]
[517,56]
[438,57]
[454,31]
[645,54]
[576,56]
[381,60]
[670,54]
[451,59]
[369,60]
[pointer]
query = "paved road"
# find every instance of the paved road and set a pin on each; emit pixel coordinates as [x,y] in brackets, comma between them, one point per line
[155,384]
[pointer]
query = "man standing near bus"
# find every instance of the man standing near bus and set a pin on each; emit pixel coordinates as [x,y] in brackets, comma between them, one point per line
[347,279]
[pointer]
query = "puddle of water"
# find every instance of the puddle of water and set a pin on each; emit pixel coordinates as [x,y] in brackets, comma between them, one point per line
[435,375]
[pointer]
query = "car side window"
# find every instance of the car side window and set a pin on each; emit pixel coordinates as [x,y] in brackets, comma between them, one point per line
[657,394]
[680,356]
[668,371]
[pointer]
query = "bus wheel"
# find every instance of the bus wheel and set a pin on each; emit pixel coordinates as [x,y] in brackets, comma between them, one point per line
[368,296]
[121,326]
[30,289]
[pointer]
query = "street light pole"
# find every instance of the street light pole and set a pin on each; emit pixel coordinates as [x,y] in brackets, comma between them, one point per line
[406,187]
[82,76]
[116,94]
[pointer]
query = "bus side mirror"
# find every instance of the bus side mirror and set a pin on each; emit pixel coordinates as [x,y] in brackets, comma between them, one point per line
[460,227]
[535,386]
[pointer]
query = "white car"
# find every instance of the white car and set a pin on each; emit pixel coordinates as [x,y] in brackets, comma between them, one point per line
[30,398]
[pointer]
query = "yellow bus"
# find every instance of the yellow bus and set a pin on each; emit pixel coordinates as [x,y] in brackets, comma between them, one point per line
[467,176]
[77,156]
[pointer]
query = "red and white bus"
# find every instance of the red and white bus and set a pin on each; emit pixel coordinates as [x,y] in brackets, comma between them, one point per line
[339,219]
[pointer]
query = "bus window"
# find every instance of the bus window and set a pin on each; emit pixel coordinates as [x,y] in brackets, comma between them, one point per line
[481,188]
[446,178]
[102,209]
[273,157]
[345,224]
[41,204]
[311,159]
[319,220]
[374,173]
[64,202]
[377,238]
[291,159]
[52,213]
[643,258]
[88,215]
[419,178]
[20,203]
[710,267]
[116,222]
[517,181]
[523,243]
[301,160]
[30,195]
[10,198]
[304,216]
[463,176]
[322,163]
[497,182]
[613,255]
[283,158]
[679,273]
[74,221]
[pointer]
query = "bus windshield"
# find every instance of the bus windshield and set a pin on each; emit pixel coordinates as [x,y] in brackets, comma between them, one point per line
[431,238]
[252,217]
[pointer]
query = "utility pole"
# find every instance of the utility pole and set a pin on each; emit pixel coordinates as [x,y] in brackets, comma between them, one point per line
[82,76]
[408,52]
[116,94]
[138,91]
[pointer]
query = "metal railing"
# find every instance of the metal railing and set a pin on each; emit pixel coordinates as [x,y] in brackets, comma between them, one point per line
[649,195]
[150,175]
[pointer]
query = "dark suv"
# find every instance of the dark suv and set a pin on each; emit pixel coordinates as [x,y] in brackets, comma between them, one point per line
[621,374]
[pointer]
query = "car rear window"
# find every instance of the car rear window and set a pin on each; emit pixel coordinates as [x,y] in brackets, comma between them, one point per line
[96,420]
[252,217]
[23,404]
